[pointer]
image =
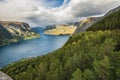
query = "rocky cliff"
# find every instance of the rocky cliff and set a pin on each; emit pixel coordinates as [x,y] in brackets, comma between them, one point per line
[76,26]
[15,31]
[71,28]
[62,29]
[84,24]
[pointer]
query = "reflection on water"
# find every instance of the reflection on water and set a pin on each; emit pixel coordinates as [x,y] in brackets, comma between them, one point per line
[30,48]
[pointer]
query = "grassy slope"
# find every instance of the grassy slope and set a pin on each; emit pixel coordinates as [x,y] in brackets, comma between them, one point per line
[59,30]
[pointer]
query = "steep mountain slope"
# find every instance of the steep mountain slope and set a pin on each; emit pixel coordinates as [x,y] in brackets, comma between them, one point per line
[60,29]
[84,24]
[15,31]
[80,26]
[110,22]
[90,21]
[91,55]
[71,28]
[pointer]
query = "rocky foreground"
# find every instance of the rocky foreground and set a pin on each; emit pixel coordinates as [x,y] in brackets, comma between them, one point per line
[3,76]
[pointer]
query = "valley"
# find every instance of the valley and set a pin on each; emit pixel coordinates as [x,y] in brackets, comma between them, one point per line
[90,55]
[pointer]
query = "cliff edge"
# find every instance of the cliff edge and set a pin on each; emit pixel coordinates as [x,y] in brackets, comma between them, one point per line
[11,32]
[60,29]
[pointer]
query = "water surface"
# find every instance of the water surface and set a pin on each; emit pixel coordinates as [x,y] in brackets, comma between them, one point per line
[30,48]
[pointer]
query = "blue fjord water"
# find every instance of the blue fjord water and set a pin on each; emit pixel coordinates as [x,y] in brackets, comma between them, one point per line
[30,48]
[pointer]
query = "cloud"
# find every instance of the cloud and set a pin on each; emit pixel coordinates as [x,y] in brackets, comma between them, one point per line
[1,1]
[15,9]
[86,8]
[46,12]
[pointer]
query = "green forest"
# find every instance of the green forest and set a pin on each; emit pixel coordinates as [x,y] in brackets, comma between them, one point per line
[90,55]
[110,22]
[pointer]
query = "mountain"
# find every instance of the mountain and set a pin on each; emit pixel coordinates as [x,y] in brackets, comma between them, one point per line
[15,31]
[61,29]
[80,26]
[109,22]
[71,28]
[84,24]
[90,55]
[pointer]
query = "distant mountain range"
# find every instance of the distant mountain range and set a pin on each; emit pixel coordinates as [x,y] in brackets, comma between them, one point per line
[80,26]
[109,21]
[15,31]
[77,26]
[62,29]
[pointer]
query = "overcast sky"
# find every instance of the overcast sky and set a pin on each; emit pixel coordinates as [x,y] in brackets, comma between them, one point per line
[46,12]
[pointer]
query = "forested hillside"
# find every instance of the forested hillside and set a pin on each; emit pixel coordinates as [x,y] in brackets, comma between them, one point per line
[91,55]
[110,22]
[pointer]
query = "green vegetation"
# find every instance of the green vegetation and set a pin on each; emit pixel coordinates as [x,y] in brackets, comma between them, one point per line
[11,32]
[61,30]
[92,55]
[110,22]
[86,56]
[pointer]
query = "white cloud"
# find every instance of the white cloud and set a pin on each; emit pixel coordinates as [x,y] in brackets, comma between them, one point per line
[39,12]
[92,7]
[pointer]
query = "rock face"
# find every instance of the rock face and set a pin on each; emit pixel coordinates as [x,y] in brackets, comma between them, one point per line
[84,24]
[79,26]
[3,76]
[63,29]
[71,28]
[15,31]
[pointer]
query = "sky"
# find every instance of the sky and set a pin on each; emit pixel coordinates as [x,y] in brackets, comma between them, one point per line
[49,12]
